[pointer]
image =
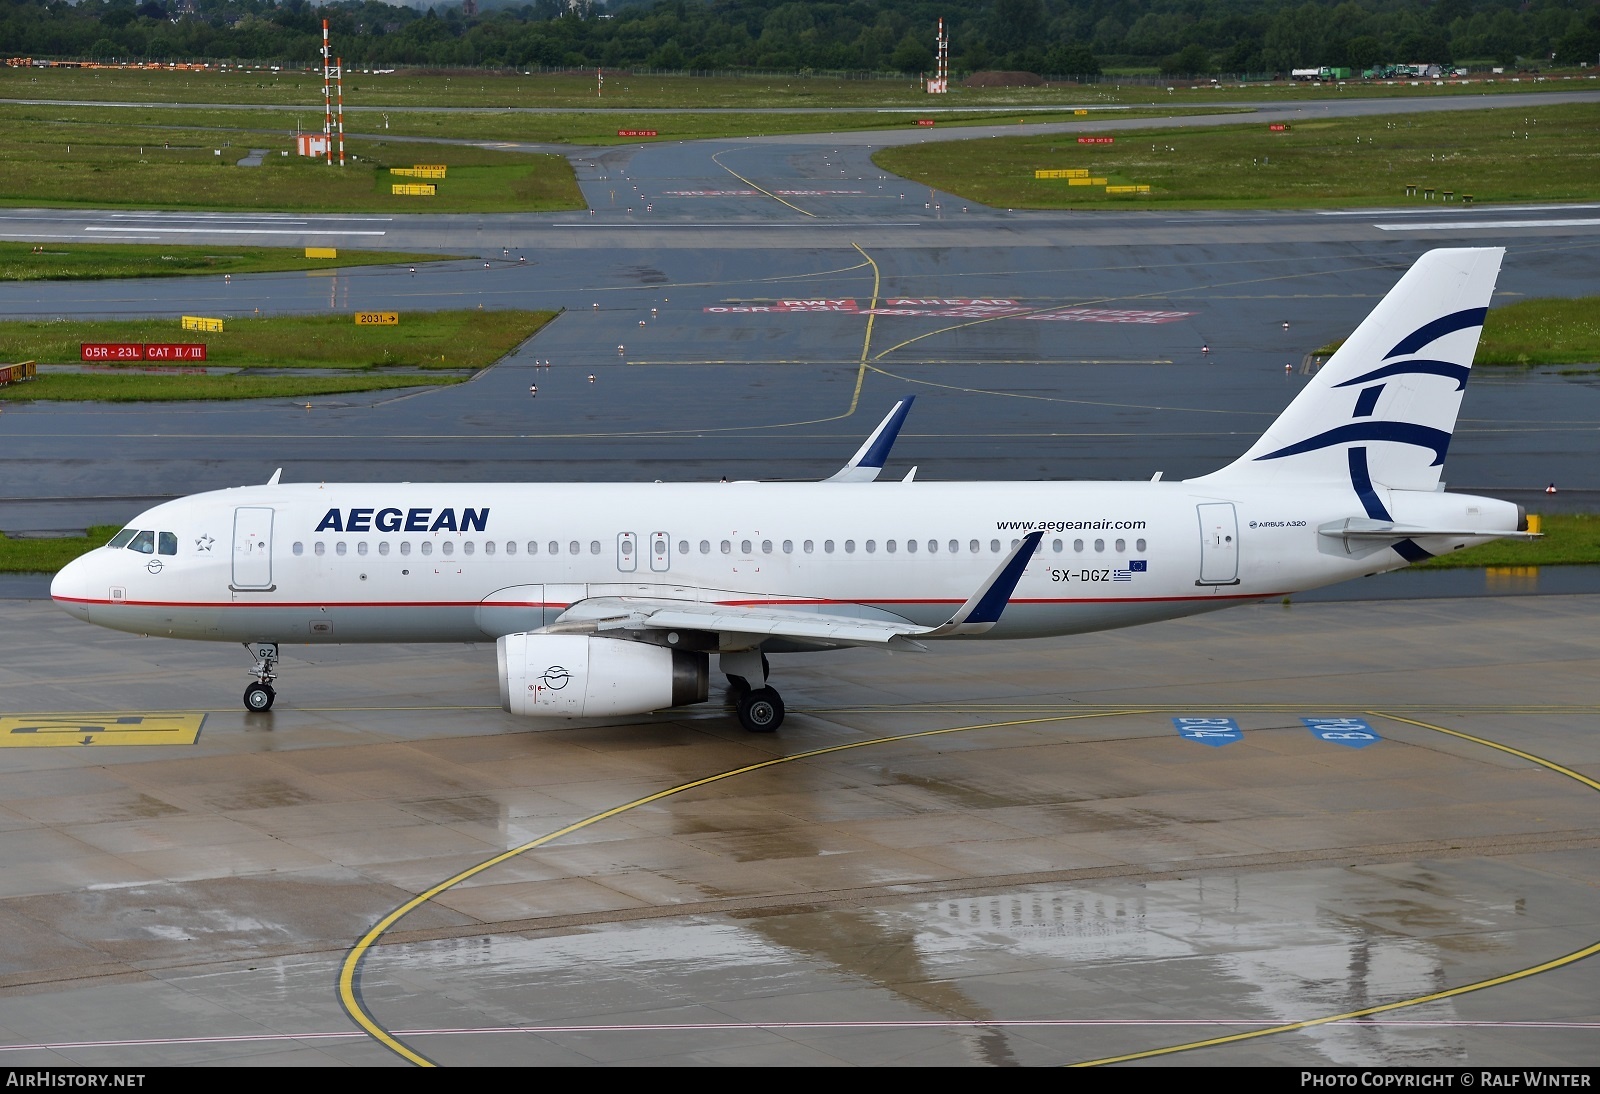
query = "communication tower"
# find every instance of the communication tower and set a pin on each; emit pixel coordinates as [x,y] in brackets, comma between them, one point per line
[939,82]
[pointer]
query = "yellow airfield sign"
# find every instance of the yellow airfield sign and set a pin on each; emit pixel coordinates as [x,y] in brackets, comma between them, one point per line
[76,730]
[377,319]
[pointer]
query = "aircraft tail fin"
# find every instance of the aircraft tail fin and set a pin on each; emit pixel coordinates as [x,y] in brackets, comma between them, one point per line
[1383,408]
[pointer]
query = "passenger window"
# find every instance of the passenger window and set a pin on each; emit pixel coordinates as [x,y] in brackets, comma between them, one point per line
[511,547]
[339,548]
[594,546]
[683,546]
[849,546]
[788,546]
[318,549]
[1077,545]
[933,546]
[744,547]
[573,546]
[169,543]
[766,546]
[488,546]
[827,546]
[955,546]
[405,546]
[727,548]
[427,547]
[705,546]
[994,546]
[383,546]
[1138,544]
[974,546]
[627,547]
[872,546]
[1099,545]
[298,548]
[1014,544]
[889,546]
[361,548]
[1055,545]
[447,548]
[121,539]
[911,545]
[144,543]
[808,546]
[466,548]
[555,548]
[1122,545]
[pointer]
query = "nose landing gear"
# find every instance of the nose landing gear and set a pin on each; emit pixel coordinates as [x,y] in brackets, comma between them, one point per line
[258,697]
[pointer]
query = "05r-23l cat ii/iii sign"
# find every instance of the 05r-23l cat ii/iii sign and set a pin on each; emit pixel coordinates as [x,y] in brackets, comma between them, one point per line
[609,599]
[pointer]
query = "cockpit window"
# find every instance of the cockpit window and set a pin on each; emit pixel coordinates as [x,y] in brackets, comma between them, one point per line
[144,543]
[169,543]
[121,538]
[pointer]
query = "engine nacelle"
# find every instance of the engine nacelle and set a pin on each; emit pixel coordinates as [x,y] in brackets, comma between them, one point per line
[576,676]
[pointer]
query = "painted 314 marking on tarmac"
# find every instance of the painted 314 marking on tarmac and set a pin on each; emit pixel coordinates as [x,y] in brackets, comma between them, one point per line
[69,730]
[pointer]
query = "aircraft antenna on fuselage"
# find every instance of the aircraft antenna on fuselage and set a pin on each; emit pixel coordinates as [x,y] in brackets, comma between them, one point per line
[276,475]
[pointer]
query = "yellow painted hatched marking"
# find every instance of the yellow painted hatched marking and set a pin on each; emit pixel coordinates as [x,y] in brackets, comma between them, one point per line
[100,728]
[201,322]
[1061,173]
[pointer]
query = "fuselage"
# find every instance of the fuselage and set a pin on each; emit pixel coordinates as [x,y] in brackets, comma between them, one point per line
[367,562]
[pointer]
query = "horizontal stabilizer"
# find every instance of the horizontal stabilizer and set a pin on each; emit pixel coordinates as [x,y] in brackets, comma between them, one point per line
[1360,528]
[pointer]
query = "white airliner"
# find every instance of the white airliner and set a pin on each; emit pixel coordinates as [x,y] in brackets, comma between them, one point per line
[608,599]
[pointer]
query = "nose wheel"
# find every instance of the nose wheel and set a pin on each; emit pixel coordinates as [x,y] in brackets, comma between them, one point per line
[258,697]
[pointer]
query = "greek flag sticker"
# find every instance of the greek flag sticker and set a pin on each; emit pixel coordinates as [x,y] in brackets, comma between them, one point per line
[1350,732]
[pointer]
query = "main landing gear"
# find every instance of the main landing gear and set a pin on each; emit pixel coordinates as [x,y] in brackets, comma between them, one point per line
[760,709]
[258,696]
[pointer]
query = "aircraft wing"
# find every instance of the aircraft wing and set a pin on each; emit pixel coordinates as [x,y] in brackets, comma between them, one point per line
[869,459]
[626,613]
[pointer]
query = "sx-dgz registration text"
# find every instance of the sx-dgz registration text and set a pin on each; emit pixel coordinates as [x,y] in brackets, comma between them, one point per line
[1080,575]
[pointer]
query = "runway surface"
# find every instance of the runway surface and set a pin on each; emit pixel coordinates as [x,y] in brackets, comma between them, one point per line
[989,854]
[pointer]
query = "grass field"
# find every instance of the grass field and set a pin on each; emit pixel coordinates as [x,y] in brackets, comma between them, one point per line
[440,339]
[92,262]
[46,556]
[622,89]
[1554,331]
[147,388]
[1546,153]
[59,158]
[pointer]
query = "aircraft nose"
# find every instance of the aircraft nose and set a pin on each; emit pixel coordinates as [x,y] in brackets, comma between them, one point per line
[73,587]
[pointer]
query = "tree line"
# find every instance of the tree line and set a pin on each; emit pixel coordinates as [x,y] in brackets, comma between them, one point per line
[1063,38]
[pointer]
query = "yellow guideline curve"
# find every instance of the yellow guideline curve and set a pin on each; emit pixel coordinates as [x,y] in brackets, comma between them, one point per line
[352,962]
[1400,1004]
[757,186]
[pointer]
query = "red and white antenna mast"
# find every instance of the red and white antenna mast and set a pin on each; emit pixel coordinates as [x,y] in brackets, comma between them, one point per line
[339,72]
[327,96]
[939,82]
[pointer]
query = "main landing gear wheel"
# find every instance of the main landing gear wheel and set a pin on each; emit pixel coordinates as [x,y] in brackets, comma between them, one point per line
[258,698]
[761,710]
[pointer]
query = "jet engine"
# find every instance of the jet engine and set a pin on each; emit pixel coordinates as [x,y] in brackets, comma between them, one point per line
[576,676]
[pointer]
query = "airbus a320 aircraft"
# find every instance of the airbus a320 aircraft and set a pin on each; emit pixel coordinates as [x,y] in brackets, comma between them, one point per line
[608,599]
